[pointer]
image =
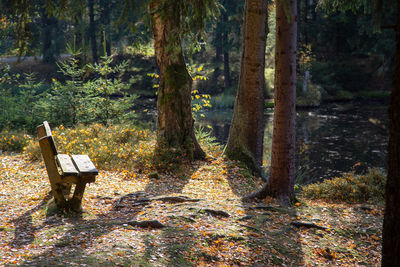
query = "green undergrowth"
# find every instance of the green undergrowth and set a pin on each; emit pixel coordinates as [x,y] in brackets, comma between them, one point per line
[350,187]
[111,147]
[116,147]
[13,141]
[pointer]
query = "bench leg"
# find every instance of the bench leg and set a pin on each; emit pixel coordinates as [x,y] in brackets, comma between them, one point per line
[58,195]
[76,200]
[66,188]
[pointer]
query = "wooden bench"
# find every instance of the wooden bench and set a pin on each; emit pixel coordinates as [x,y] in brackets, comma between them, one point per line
[63,171]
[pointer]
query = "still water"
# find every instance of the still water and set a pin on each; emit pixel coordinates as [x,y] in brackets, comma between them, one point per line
[330,140]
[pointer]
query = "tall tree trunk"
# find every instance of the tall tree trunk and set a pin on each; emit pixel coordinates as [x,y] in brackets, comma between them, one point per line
[92,31]
[175,123]
[218,53]
[305,20]
[48,25]
[281,181]
[391,223]
[106,7]
[227,69]
[245,141]
[299,26]
[225,35]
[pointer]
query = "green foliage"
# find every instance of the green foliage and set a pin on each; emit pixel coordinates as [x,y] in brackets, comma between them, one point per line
[18,99]
[310,98]
[190,16]
[337,75]
[112,147]
[7,29]
[206,139]
[375,94]
[306,57]
[101,98]
[350,187]
[146,49]
[269,74]
[201,102]
[223,101]
[343,95]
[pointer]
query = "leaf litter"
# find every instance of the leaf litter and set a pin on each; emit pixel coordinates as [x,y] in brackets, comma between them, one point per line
[204,222]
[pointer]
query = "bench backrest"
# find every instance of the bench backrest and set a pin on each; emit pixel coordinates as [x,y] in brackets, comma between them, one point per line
[48,149]
[44,130]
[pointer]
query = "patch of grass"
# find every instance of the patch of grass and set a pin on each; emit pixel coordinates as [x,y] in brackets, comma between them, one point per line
[311,98]
[223,101]
[350,188]
[375,94]
[343,95]
[269,104]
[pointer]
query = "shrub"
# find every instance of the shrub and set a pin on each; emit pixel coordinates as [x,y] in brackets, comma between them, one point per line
[350,187]
[101,98]
[113,147]
[13,141]
[223,101]
[311,98]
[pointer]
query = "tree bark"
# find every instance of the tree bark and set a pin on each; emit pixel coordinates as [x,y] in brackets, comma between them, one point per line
[225,36]
[245,141]
[106,7]
[92,31]
[48,28]
[280,184]
[391,223]
[175,123]
[218,53]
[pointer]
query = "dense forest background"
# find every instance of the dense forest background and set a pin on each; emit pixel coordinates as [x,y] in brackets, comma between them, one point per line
[344,54]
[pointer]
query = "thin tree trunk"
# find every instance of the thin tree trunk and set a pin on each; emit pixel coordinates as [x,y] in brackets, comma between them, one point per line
[175,123]
[281,181]
[227,70]
[92,31]
[48,25]
[391,223]
[105,20]
[218,54]
[245,141]
[305,20]
[225,35]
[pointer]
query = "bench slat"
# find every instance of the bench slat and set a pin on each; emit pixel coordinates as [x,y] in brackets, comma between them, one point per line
[43,130]
[84,165]
[47,128]
[66,165]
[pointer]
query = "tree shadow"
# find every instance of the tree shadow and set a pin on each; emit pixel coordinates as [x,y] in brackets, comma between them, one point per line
[267,226]
[191,236]
[24,230]
[77,234]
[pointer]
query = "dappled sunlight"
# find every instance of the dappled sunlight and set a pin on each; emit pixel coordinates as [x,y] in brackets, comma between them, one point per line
[209,225]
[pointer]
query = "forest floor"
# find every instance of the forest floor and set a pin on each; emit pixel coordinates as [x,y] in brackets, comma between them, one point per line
[198,219]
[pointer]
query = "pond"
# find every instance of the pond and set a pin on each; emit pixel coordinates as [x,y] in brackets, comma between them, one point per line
[330,140]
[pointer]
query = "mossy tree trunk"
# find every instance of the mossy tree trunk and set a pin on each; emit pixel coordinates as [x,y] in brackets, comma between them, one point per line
[175,123]
[245,141]
[391,223]
[280,184]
